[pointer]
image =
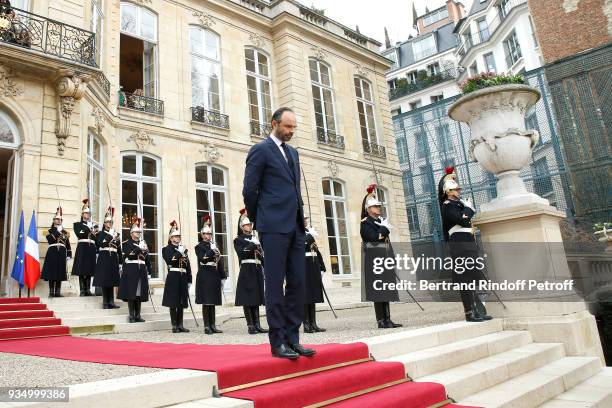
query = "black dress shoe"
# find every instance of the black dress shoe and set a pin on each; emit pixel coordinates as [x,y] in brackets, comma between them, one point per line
[284,352]
[471,317]
[113,306]
[382,324]
[301,350]
[183,330]
[308,328]
[390,325]
[175,329]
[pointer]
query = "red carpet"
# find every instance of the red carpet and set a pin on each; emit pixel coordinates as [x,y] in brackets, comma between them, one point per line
[24,318]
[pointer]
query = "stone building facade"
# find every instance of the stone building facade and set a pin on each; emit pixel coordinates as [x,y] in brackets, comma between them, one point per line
[152,106]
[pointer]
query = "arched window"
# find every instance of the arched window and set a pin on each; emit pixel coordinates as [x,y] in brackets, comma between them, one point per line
[95,176]
[259,87]
[138,54]
[337,228]
[205,69]
[323,98]
[211,199]
[141,196]
[365,109]
[8,131]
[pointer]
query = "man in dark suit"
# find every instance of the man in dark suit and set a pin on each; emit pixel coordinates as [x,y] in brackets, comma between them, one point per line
[273,200]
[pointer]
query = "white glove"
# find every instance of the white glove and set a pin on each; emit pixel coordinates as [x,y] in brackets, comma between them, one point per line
[311,230]
[111,232]
[322,272]
[89,224]
[60,228]
[68,259]
[188,286]
[213,246]
[181,248]
[223,282]
[142,245]
[255,240]
[468,203]
[384,222]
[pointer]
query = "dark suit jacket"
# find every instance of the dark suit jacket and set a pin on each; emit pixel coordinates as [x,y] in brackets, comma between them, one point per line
[271,190]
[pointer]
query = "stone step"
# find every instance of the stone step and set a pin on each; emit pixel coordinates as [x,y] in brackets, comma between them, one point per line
[123,318]
[532,389]
[393,344]
[222,402]
[595,392]
[439,358]
[471,378]
[158,389]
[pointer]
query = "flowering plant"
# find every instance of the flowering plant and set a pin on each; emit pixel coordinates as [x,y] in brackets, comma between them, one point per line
[488,79]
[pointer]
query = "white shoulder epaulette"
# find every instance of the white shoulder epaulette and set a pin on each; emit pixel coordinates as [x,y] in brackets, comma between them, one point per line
[447,201]
[364,220]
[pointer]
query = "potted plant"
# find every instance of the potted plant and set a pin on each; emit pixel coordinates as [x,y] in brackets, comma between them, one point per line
[494,107]
[603,231]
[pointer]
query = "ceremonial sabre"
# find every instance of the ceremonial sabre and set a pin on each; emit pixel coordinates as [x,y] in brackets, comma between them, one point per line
[141,207]
[188,295]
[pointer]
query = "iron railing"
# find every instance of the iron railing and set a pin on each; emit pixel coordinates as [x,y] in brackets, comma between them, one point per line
[406,88]
[330,138]
[482,36]
[211,118]
[374,149]
[103,83]
[141,103]
[260,129]
[31,31]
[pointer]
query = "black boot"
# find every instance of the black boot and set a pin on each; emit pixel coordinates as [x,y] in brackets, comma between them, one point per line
[137,305]
[206,318]
[308,319]
[110,298]
[248,314]
[388,323]
[479,308]
[257,321]
[87,285]
[213,319]
[81,286]
[179,320]
[104,298]
[51,289]
[313,319]
[380,314]
[173,320]
[58,289]
[131,310]
[471,316]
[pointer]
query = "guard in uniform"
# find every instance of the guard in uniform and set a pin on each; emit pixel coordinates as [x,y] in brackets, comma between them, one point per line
[211,277]
[313,280]
[134,283]
[375,230]
[250,286]
[109,259]
[458,232]
[58,254]
[84,264]
[178,280]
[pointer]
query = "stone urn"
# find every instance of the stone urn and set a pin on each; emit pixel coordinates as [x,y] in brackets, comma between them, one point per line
[500,142]
[605,235]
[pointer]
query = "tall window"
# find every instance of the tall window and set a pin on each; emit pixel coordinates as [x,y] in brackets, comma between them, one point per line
[411,77]
[542,183]
[427,178]
[259,86]
[211,200]
[205,69]
[95,171]
[445,144]
[323,95]
[512,49]
[408,183]
[97,26]
[483,29]
[421,144]
[402,150]
[489,61]
[413,220]
[365,109]
[141,196]
[474,69]
[337,230]
[424,48]
[138,50]
[433,69]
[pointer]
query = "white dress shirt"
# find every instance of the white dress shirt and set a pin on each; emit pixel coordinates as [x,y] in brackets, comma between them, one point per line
[278,144]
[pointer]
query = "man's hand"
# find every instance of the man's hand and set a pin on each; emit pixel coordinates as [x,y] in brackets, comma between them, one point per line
[213,246]
[181,249]
[384,222]
[254,240]
[311,230]
[468,203]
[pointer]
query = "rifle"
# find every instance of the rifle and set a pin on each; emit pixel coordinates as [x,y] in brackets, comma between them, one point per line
[309,216]
[178,204]
[141,209]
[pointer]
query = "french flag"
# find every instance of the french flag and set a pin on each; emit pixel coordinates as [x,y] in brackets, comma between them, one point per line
[32,262]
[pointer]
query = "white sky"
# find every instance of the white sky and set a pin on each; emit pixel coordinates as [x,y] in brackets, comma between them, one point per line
[373,16]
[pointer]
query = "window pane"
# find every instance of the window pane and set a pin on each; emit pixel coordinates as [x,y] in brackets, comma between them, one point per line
[263,64]
[97,154]
[314,70]
[202,174]
[148,25]
[217,177]
[196,40]
[219,200]
[219,222]
[154,259]
[127,212]
[326,189]
[129,164]
[129,192]
[358,88]
[150,216]
[149,167]
[366,91]
[202,200]
[325,78]
[338,189]
[149,193]
[249,57]
[129,18]
[211,49]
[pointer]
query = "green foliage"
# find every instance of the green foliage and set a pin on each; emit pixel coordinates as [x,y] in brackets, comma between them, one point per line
[599,226]
[488,79]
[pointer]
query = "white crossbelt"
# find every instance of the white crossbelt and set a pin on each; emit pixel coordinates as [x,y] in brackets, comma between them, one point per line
[459,228]
[57,245]
[250,261]
[208,264]
[89,241]
[181,270]
[135,261]
[311,254]
[108,249]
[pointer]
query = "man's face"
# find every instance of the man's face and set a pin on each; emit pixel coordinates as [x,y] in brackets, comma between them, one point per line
[108,224]
[176,239]
[247,228]
[135,236]
[454,193]
[86,216]
[57,222]
[284,128]
[374,211]
[207,237]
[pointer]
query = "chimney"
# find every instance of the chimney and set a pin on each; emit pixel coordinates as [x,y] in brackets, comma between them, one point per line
[456,10]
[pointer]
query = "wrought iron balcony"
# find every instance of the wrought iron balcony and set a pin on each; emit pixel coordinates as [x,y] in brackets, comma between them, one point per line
[38,33]
[210,118]
[103,83]
[404,88]
[330,138]
[374,149]
[141,103]
[260,129]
